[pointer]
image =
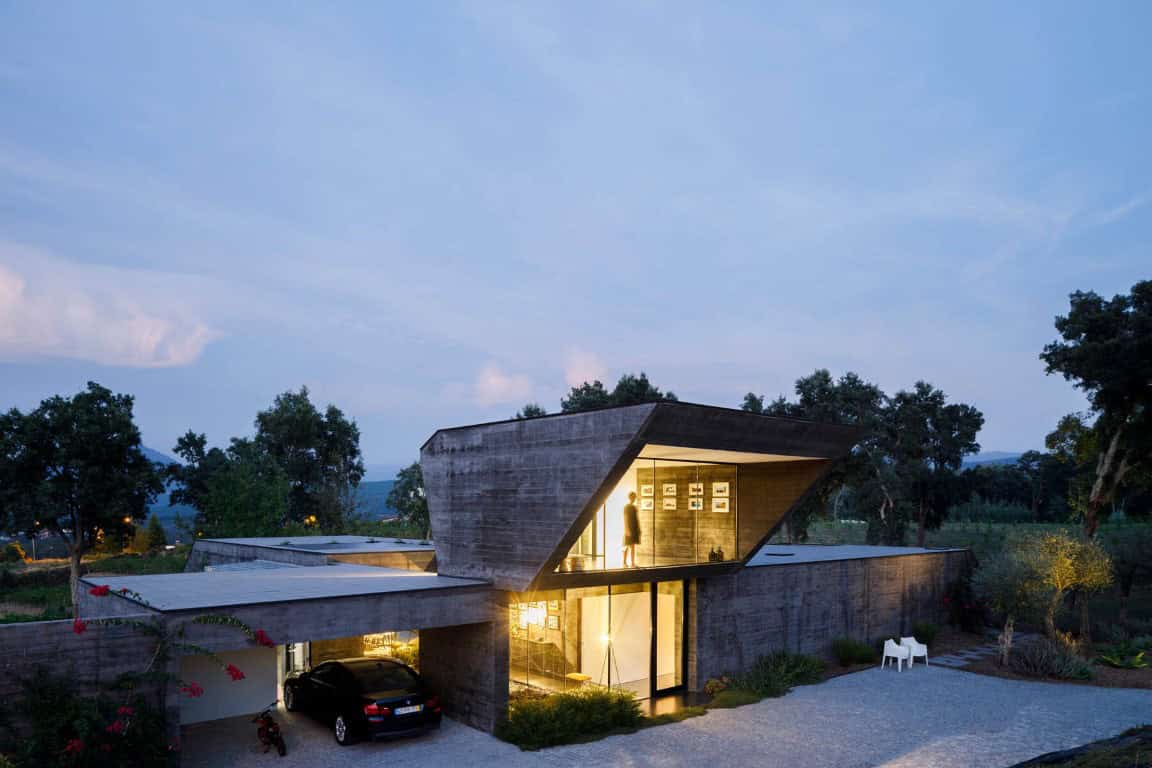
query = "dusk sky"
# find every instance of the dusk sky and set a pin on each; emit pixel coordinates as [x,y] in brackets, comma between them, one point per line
[432,213]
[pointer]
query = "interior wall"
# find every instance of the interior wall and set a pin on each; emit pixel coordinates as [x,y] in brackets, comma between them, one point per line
[767,491]
[224,697]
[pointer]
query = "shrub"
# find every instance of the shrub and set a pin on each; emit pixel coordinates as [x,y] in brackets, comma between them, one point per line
[849,651]
[716,685]
[1050,658]
[733,697]
[13,553]
[72,729]
[567,718]
[964,611]
[925,632]
[1126,654]
[779,672]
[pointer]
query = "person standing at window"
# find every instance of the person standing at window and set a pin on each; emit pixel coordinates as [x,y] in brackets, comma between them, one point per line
[631,530]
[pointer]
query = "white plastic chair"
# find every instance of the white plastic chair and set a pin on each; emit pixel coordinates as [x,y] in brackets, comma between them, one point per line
[915,648]
[894,651]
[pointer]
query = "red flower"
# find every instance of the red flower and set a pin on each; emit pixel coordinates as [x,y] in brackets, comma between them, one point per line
[99,591]
[123,590]
[74,747]
[128,711]
[79,626]
[234,673]
[117,727]
[105,747]
[261,638]
[192,689]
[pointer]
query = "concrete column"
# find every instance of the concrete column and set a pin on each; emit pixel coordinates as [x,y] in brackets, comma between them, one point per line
[467,665]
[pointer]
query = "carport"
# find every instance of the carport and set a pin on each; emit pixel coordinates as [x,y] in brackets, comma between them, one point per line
[333,606]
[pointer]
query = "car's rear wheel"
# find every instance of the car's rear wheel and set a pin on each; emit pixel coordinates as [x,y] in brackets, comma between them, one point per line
[343,731]
[290,698]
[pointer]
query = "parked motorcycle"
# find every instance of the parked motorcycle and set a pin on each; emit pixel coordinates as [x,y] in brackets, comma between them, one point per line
[268,731]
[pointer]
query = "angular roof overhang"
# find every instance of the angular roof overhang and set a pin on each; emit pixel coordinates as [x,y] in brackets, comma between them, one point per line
[509,499]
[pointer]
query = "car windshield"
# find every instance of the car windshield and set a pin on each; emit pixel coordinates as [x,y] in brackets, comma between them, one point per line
[381,676]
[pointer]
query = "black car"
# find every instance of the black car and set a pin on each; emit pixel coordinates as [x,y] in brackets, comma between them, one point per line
[364,698]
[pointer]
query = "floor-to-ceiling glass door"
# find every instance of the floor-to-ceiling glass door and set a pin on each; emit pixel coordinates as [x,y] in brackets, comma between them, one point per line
[668,639]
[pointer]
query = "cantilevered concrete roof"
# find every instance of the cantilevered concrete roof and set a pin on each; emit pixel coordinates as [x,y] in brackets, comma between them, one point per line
[218,589]
[508,499]
[792,554]
[333,545]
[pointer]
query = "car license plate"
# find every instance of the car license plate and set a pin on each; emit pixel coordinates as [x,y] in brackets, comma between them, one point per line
[409,710]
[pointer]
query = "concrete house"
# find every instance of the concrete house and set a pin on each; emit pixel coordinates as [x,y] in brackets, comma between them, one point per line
[623,547]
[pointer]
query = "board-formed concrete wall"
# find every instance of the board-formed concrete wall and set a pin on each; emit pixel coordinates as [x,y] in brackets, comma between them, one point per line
[96,657]
[802,608]
[468,667]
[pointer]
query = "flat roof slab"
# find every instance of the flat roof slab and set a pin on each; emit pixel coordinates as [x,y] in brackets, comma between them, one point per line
[217,589]
[793,554]
[333,545]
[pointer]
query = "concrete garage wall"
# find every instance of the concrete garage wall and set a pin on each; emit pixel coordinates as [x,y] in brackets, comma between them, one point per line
[224,697]
[96,657]
[802,608]
[468,667]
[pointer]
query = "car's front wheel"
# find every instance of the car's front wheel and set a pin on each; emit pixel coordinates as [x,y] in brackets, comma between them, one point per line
[290,702]
[343,731]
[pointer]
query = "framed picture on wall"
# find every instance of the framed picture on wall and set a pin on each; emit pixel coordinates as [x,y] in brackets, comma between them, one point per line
[553,622]
[668,489]
[647,505]
[554,606]
[670,503]
[648,490]
[720,490]
[696,504]
[695,489]
[719,505]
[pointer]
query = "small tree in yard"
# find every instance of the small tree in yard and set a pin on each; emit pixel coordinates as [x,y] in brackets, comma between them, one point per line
[1063,564]
[157,539]
[1013,589]
[1130,547]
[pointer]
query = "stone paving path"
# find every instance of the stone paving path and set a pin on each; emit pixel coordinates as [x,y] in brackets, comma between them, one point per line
[959,659]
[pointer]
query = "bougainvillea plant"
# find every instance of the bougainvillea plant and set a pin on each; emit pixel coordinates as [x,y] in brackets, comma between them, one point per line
[170,640]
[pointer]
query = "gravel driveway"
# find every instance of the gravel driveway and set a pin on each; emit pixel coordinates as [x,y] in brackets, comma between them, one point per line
[925,718]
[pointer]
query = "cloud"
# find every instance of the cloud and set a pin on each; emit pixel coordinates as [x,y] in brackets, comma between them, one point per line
[494,386]
[50,308]
[581,366]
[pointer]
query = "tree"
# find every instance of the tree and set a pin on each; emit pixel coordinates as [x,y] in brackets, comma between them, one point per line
[319,453]
[74,466]
[927,441]
[1106,350]
[1062,565]
[247,496]
[629,390]
[157,539]
[1012,589]
[1130,547]
[190,480]
[530,411]
[753,403]
[408,499]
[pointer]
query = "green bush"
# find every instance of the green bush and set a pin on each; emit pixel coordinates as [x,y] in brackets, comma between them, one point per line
[60,715]
[1125,654]
[925,632]
[849,651]
[1050,658]
[568,718]
[779,672]
[733,697]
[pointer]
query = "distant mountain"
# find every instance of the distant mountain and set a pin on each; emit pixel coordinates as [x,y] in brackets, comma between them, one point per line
[371,498]
[993,457]
[156,456]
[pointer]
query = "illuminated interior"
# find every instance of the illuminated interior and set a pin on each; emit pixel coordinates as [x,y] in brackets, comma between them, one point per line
[685,511]
[598,636]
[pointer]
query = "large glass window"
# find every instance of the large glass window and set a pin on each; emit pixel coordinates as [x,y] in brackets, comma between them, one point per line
[598,636]
[661,513]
